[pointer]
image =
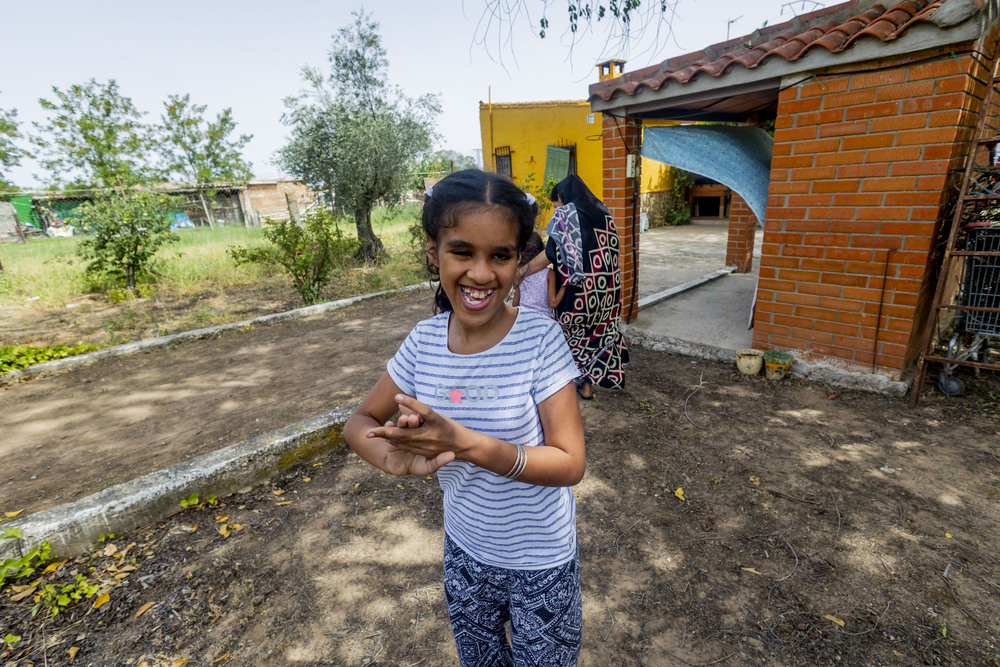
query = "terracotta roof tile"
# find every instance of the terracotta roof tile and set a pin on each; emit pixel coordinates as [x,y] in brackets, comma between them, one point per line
[783,42]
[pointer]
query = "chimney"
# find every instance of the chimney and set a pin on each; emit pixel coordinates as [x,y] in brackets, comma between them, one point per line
[610,69]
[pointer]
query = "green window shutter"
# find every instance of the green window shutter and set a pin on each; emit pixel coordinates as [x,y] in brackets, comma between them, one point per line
[557,161]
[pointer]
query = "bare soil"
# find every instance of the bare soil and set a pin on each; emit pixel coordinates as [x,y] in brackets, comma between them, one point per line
[724,519]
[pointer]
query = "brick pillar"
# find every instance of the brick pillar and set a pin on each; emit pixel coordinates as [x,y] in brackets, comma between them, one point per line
[623,136]
[742,229]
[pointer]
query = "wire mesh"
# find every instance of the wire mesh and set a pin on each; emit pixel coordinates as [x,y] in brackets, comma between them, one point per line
[980,285]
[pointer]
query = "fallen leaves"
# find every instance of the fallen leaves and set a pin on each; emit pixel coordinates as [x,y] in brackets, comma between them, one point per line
[752,571]
[101,600]
[836,620]
[143,609]
[11,515]
[227,528]
[21,592]
[680,493]
[73,650]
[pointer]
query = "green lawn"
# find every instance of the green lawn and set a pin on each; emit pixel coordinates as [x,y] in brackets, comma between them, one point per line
[48,272]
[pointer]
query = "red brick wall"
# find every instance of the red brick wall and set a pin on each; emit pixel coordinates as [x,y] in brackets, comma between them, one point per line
[621,138]
[863,163]
[742,231]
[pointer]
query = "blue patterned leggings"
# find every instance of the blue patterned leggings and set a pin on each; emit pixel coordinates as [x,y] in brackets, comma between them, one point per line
[544,608]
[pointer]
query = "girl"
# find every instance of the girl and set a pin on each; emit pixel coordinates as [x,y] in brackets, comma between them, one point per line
[485,398]
[538,290]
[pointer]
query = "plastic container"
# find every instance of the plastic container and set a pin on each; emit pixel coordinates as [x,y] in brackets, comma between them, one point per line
[749,362]
[776,364]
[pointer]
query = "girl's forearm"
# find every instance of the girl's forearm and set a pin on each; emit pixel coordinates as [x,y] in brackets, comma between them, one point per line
[372,450]
[544,465]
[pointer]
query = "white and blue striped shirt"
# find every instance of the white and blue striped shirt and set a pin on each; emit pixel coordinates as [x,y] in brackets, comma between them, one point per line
[496,392]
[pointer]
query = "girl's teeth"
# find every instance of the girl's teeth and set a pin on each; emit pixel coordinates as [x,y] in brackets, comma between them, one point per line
[476,294]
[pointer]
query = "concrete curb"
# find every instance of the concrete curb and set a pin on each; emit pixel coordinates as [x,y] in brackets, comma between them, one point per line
[659,297]
[72,527]
[164,341]
[828,375]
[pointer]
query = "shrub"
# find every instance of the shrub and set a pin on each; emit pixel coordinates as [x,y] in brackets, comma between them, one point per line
[309,250]
[128,228]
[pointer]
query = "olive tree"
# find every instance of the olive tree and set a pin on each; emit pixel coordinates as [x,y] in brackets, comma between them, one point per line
[355,135]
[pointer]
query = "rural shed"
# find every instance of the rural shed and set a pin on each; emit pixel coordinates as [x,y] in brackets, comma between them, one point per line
[874,108]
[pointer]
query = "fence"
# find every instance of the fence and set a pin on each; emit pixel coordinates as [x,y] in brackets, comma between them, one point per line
[247,204]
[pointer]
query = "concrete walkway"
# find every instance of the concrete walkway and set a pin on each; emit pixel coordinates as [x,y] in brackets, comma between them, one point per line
[687,296]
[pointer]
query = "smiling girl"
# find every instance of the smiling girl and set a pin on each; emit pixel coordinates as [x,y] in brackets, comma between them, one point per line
[486,399]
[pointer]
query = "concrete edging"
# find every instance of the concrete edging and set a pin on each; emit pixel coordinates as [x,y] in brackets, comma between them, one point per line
[164,341]
[659,297]
[72,527]
[834,377]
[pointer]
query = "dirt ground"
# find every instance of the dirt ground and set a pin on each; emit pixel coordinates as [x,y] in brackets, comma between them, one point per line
[724,519]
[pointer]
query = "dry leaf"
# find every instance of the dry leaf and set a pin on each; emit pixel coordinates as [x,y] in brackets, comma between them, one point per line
[224,530]
[834,619]
[318,464]
[220,659]
[189,529]
[110,550]
[143,609]
[101,599]
[278,492]
[948,535]
[222,518]
[178,663]
[304,479]
[283,503]
[751,570]
[680,492]
[754,480]
[73,650]
[11,515]
[399,486]
[236,527]
[52,567]
[23,594]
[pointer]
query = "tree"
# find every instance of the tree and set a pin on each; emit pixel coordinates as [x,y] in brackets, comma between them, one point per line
[10,152]
[440,163]
[358,136]
[128,226]
[94,133]
[201,151]
[625,20]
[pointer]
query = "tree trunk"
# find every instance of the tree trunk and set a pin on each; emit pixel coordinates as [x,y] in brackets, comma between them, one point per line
[208,211]
[371,249]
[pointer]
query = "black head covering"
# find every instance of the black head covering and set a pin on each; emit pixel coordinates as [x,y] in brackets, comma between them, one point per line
[592,210]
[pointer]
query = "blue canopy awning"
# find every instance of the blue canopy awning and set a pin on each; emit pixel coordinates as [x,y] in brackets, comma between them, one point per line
[738,156]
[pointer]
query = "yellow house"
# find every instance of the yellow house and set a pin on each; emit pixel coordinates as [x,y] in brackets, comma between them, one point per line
[537,144]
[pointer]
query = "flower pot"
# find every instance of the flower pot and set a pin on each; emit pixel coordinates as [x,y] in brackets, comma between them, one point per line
[749,362]
[776,364]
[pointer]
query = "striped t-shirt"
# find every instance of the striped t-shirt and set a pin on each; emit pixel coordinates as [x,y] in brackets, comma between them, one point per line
[496,392]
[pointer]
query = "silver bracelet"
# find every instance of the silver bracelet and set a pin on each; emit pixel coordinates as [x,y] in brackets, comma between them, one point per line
[518,468]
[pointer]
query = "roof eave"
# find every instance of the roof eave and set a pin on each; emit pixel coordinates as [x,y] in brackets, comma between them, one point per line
[770,74]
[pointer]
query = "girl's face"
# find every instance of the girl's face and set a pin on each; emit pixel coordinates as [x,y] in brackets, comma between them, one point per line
[477,259]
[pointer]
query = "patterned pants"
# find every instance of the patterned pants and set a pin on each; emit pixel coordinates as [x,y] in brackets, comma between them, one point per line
[544,608]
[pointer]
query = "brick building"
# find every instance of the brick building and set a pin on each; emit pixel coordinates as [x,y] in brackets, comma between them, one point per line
[873,112]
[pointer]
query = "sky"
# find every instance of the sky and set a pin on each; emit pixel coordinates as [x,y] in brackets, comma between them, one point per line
[248,55]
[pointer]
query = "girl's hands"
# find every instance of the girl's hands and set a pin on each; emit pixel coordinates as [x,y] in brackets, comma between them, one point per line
[420,432]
